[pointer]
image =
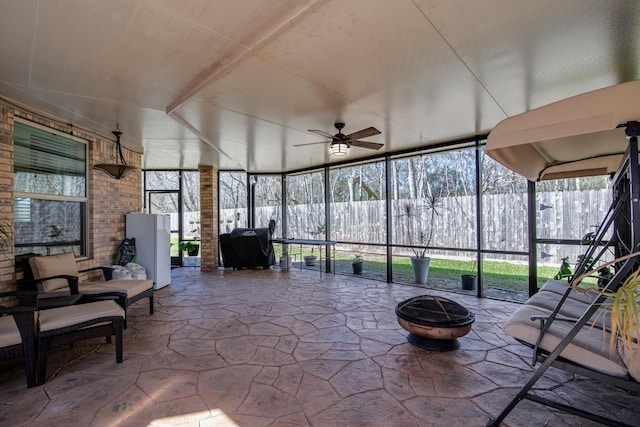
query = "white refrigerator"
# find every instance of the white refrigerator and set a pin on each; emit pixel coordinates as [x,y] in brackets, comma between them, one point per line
[153,245]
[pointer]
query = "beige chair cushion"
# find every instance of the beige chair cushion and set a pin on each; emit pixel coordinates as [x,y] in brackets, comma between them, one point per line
[589,348]
[53,265]
[9,333]
[559,287]
[131,287]
[63,317]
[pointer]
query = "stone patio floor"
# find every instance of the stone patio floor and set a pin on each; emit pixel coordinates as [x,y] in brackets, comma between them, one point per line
[270,348]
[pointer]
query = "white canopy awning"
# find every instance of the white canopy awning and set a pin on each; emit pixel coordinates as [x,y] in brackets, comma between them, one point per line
[570,138]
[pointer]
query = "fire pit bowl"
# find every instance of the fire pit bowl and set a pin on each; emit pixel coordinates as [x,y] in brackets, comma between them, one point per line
[434,323]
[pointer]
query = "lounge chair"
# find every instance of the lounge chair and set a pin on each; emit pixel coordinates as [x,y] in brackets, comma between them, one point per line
[72,323]
[57,275]
[17,333]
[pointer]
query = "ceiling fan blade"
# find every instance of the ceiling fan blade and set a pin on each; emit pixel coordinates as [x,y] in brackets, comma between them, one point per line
[321,133]
[366,144]
[370,131]
[310,143]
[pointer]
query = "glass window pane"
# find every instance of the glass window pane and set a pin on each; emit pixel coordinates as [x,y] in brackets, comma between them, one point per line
[305,206]
[191,204]
[506,277]
[50,227]
[232,190]
[47,163]
[162,180]
[504,208]
[358,203]
[434,200]
[268,201]
[570,208]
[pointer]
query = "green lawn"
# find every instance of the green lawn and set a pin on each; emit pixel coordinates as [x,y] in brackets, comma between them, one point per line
[496,274]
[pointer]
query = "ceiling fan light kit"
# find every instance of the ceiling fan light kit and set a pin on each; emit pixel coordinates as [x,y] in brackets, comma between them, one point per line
[119,169]
[339,144]
[339,149]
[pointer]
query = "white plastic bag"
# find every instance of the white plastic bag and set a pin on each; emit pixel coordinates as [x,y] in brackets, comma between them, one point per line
[121,273]
[137,271]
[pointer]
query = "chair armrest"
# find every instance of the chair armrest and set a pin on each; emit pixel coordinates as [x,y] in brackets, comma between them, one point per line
[563,318]
[99,296]
[120,298]
[590,324]
[107,272]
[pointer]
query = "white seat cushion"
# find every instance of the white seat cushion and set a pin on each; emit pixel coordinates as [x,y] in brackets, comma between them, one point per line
[589,348]
[9,333]
[559,287]
[63,317]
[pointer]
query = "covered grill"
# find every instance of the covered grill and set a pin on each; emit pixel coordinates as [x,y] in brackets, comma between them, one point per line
[434,323]
[247,248]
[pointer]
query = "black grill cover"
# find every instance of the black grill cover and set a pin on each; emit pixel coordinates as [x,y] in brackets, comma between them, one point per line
[247,247]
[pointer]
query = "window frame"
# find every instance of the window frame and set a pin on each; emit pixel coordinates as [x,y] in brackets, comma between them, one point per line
[84,200]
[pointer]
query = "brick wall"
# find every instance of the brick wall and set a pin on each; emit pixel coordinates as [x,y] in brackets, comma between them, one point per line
[209,218]
[109,199]
[6,194]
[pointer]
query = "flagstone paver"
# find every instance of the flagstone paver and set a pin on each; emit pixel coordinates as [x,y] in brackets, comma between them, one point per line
[269,348]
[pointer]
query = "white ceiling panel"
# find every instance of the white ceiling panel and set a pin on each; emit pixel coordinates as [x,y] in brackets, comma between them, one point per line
[529,54]
[238,83]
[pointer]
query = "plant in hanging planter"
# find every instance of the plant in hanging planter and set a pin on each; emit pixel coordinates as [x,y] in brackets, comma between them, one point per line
[357,263]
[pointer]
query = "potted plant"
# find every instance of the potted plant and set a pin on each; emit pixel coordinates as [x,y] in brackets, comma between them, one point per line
[310,260]
[419,237]
[468,281]
[191,247]
[357,263]
[420,262]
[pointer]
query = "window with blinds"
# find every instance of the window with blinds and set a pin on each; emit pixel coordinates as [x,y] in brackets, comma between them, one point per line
[50,179]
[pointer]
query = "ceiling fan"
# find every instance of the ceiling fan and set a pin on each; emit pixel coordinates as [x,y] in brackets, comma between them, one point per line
[340,143]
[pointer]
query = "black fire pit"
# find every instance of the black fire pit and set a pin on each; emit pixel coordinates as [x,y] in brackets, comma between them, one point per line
[434,323]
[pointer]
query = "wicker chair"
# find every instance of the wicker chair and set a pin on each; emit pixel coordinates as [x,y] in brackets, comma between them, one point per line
[56,275]
[73,323]
[17,333]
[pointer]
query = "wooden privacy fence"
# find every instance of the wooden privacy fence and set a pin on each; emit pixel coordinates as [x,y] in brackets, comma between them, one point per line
[560,215]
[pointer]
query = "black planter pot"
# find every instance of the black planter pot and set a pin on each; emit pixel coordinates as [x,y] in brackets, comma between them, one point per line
[358,267]
[194,252]
[310,260]
[468,282]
